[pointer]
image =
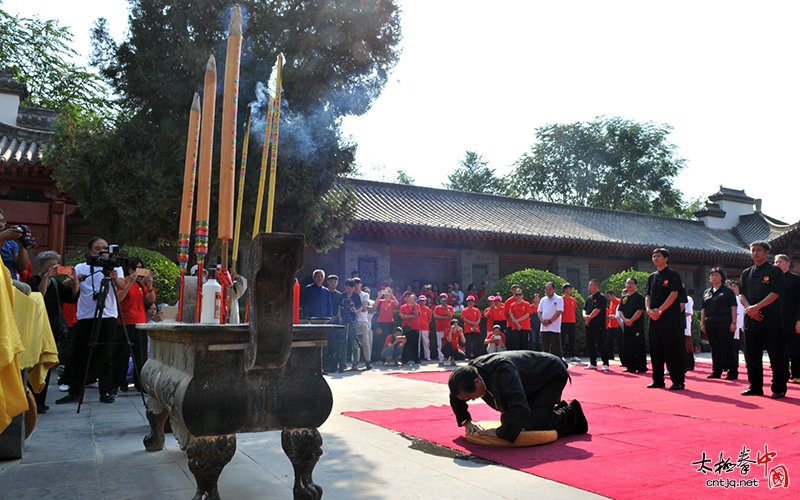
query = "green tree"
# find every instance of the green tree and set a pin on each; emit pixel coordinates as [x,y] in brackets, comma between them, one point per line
[533,281]
[475,176]
[38,54]
[338,55]
[404,178]
[607,163]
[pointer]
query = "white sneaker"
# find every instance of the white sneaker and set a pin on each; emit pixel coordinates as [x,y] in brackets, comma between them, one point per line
[63,388]
[93,384]
[591,367]
[576,359]
[666,372]
[606,368]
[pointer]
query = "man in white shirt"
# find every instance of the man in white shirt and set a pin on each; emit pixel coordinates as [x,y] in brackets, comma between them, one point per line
[363,325]
[90,278]
[550,308]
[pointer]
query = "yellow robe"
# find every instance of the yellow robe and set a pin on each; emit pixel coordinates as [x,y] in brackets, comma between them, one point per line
[12,393]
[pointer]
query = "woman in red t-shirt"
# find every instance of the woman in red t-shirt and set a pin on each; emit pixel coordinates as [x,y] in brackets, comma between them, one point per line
[409,312]
[442,313]
[519,322]
[471,316]
[453,340]
[132,297]
[384,323]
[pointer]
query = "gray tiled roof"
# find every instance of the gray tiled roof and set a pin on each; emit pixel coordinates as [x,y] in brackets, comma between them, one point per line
[731,194]
[758,226]
[394,206]
[21,146]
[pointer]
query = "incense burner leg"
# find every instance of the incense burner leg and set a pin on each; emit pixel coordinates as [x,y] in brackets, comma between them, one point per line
[303,447]
[207,457]
[157,417]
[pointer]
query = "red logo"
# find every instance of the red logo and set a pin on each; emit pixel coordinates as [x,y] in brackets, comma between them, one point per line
[778,477]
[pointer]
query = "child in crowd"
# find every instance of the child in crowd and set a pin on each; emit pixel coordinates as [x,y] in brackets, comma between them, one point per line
[495,340]
[393,347]
[453,344]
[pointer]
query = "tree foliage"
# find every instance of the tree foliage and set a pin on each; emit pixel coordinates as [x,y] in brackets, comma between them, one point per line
[533,281]
[607,163]
[39,55]
[475,176]
[338,54]
[404,178]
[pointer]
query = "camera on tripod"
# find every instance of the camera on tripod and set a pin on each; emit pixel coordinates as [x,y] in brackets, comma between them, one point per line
[117,257]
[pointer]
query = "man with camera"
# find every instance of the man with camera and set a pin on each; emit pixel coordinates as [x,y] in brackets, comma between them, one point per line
[99,264]
[14,254]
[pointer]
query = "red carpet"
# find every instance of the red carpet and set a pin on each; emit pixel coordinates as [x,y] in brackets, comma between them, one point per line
[718,400]
[628,454]
[641,443]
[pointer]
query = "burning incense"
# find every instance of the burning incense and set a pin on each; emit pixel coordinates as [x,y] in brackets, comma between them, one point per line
[265,151]
[187,201]
[274,153]
[204,174]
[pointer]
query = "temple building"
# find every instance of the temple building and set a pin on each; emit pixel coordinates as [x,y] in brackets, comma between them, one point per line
[439,235]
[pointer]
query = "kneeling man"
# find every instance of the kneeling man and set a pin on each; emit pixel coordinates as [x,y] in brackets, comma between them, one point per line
[524,386]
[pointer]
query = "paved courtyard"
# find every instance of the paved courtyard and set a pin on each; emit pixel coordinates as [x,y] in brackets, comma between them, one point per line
[98,454]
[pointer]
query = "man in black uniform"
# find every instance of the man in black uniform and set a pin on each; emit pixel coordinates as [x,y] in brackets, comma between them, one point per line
[667,322]
[631,309]
[790,311]
[594,313]
[524,386]
[760,290]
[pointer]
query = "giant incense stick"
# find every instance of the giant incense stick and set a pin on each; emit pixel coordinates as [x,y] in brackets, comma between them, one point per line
[237,229]
[204,174]
[187,201]
[227,162]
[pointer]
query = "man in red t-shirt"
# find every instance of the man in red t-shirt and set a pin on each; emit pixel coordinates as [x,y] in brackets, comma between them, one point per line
[471,316]
[409,314]
[424,323]
[385,307]
[519,321]
[568,319]
[442,313]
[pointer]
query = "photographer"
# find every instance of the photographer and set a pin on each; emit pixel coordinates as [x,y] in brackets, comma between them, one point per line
[15,256]
[90,277]
[54,294]
[138,289]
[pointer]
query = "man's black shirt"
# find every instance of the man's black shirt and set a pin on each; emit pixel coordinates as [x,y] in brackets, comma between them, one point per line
[660,285]
[756,283]
[596,301]
[628,305]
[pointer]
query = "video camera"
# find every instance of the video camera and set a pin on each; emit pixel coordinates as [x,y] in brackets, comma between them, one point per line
[117,257]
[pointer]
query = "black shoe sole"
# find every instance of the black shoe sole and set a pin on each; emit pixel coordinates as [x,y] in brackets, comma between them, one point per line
[581,424]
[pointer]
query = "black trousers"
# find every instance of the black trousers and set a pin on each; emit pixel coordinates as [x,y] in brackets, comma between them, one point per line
[100,362]
[596,337]
[775,344]
[545,414]
[635,349]
[121,352]
[411,347]
[568,335]
[792,350]
[450,352]
[667,346]
[473,347]
[612,336]
[517,340]
[724,355]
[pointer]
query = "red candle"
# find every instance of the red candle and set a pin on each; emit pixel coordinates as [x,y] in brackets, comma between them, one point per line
[296,308]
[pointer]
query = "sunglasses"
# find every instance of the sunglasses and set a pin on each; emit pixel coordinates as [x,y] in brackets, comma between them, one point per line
[518,294]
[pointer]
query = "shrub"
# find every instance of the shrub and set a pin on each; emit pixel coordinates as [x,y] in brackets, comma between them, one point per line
[166,272]
[533,281]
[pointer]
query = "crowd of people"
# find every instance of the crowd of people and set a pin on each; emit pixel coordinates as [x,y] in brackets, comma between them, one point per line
[761,311]
[71,296]
[425,322]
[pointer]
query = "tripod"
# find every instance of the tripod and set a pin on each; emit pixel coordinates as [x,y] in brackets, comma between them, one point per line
[100,298]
